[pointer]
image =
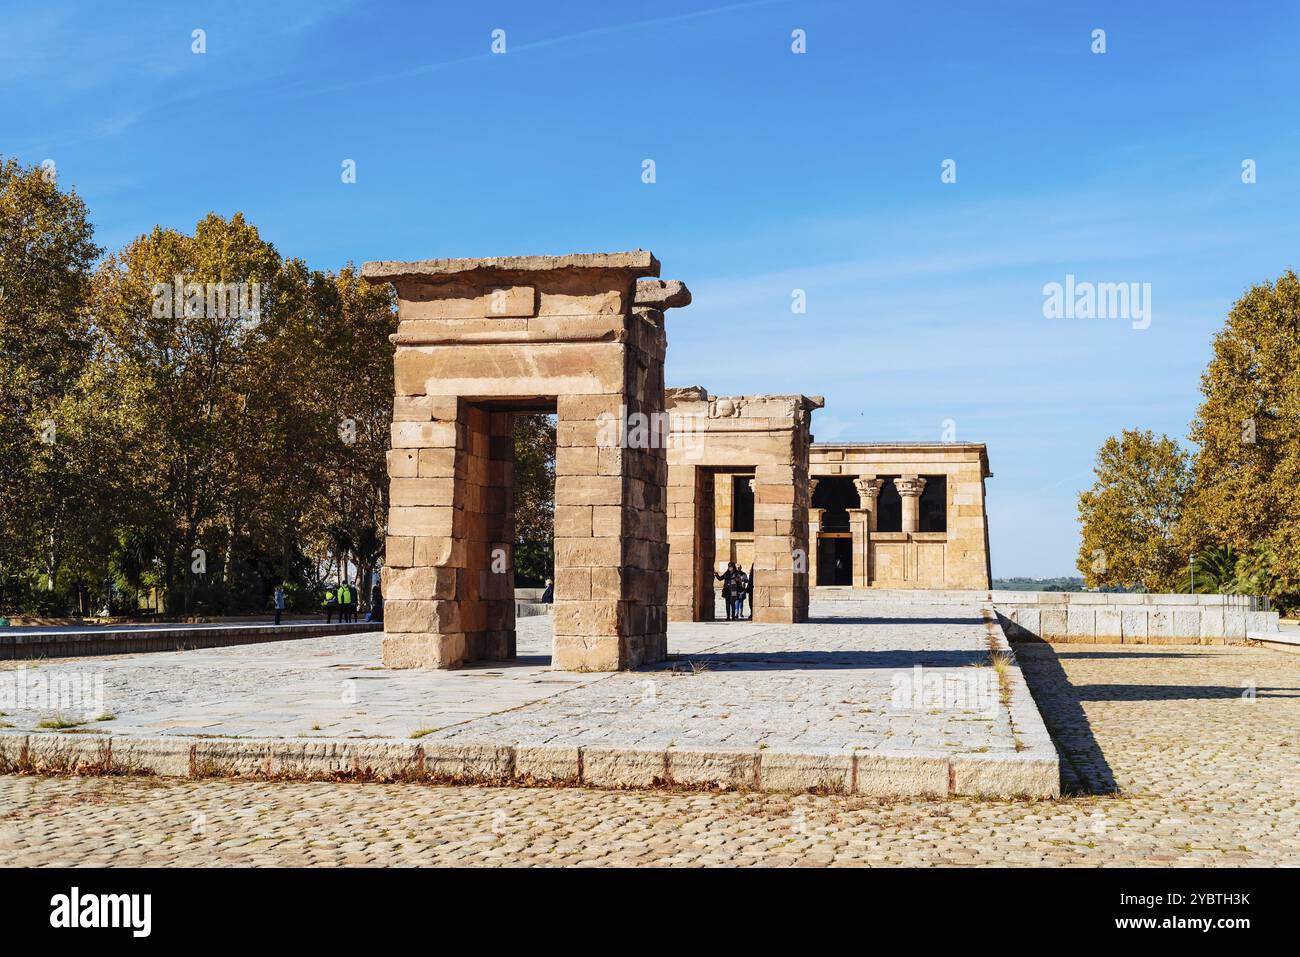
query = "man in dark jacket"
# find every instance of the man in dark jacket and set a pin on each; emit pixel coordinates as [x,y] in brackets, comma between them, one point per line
[729,580]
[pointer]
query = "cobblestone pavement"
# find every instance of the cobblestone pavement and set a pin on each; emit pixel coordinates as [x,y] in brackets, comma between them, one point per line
[1206,776]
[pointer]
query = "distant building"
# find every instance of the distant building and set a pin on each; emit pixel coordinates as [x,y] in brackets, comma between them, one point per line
[882,515]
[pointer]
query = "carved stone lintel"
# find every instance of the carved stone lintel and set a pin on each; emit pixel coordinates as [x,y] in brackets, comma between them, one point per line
[726,408]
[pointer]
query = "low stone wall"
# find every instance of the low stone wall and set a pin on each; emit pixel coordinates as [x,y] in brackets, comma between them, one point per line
[75,644]
[1099,617]
[1131,619]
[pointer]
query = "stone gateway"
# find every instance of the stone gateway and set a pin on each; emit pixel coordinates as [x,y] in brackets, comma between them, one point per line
[478,341]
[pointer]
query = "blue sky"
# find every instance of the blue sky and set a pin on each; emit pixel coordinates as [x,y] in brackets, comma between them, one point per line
[774,172]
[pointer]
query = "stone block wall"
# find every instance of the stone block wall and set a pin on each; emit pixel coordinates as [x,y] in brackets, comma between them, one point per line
[1085,617]
[1101,618]
[955,558]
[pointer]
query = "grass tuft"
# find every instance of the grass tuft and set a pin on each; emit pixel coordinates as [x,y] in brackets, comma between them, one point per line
[59,723]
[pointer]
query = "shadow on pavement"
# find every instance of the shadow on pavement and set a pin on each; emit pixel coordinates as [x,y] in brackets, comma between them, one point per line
[1084,769]
[1123,692]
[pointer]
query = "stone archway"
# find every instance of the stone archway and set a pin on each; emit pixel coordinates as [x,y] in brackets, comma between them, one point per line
[480,340]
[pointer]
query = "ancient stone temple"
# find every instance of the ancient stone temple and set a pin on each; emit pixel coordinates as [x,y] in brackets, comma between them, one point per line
[479,341]
[758,443]
[899,514]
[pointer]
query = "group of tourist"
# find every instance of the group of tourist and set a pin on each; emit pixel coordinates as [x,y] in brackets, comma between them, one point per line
[341,599]
[736,587]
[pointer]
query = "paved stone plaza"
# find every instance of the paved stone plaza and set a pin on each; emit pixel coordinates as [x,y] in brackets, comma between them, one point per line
[333,686]
[903,702]
[1205,777]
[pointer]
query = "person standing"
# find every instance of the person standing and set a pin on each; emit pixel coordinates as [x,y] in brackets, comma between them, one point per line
[279,602]
[738,590]
[376,604]
[331,602]
[728,579]
[749,592]
[345,602]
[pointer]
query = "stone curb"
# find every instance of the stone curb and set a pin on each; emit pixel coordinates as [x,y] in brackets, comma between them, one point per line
[55,644]
[1036,767]
[884,774]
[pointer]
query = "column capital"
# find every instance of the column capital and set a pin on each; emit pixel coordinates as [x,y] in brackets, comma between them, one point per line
[868,490]
[909,485]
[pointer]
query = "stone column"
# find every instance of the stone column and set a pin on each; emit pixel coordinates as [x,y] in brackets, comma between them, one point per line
[779,533]
[868,492]
[691,544]
[910,488]
[862,527]
[814,528]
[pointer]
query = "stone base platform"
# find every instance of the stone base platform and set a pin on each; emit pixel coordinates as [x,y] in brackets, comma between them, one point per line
[903,702]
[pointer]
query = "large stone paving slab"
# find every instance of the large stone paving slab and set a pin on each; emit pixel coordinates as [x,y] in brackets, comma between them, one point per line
[906,701]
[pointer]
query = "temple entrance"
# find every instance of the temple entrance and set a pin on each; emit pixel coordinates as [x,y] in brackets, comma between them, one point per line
[480,341]
[835,559]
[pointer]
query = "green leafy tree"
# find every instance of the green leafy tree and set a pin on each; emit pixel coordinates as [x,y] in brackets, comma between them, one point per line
[1130,514]
[534,474]
[347,381]
[1246,493]
[46,336]
[179,317]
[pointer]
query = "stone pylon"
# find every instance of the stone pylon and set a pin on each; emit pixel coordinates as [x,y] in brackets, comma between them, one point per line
[479,341]
[768,437]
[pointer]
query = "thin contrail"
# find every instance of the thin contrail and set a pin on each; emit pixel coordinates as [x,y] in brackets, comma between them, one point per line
[537,45]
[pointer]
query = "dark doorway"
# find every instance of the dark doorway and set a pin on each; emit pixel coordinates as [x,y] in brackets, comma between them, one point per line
[742,503]
[889,506]
[934,504]
[834,560]
[835,495]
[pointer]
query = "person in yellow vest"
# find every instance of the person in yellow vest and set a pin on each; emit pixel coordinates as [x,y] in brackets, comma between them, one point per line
[347,604]
[330,603]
